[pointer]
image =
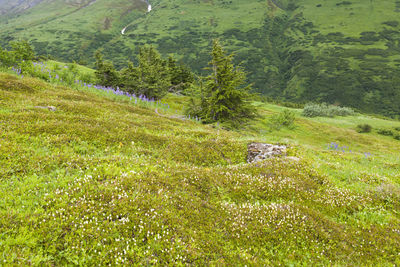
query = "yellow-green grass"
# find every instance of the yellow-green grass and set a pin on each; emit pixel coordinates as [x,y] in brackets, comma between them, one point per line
[52,64]
[104,181]
[359,16]
[316,134]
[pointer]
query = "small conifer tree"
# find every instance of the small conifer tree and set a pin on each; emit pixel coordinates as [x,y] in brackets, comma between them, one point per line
[225,96]
[106,73]
[152,74]
[23,51]
[181,77]
[129,78]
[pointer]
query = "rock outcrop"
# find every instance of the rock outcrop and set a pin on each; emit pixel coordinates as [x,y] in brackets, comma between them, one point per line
[51,108]
[259,151]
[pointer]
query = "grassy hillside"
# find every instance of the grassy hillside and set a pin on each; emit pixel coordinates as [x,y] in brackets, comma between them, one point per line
[342,52]
[104,180]
[12,7]
[71,30]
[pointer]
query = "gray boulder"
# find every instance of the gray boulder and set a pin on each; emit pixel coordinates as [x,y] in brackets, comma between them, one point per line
[51,108]
[260,151]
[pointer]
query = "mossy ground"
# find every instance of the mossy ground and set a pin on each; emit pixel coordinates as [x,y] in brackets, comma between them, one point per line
[102,181]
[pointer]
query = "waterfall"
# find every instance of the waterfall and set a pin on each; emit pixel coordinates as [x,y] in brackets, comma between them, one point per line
[148,10]
[148,5]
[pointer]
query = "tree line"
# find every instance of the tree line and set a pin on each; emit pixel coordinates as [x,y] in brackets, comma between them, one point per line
[221,96]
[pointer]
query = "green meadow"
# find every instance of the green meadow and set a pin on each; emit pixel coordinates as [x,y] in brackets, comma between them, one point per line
[106,180]
[90,176]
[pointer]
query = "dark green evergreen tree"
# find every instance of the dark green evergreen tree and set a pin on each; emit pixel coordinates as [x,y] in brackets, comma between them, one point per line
[22,50]
[181,76]
[129,79]
[5,58]
[226,97]
[153,77]
[21,55]
[106,74]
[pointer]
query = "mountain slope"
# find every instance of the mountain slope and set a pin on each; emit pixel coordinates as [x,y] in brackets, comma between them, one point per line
[341,52]
[102,180]
[8,7]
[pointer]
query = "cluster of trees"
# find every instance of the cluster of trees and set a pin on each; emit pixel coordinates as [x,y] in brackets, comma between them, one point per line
[21,56]
[152,77]
[222,96]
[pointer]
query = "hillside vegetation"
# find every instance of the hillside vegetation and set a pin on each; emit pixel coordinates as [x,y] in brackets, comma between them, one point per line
[105,179]
[340,52]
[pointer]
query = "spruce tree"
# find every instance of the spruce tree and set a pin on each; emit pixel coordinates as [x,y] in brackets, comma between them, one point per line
[5,58]
[226,97]
[181,76]
[106,74]
[129,79]
[22,51]
[153,79]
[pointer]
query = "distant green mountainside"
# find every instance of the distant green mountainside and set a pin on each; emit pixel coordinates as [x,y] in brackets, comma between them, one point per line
[342,52]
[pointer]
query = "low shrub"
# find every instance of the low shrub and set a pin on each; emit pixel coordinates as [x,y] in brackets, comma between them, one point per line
[324,110]
[364,128]
[386,132]
[284,119]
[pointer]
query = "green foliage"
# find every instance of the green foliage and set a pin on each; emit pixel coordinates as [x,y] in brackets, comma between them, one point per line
[22,51]
[389,132]
[20,56]
[106,73]
[386,132]
[5,58]
[129,78]
[364,128]
[285,118]
[101,181]
[324,110]
[151,76]
[180,75]
[154,77]
[224,97]
[285,47]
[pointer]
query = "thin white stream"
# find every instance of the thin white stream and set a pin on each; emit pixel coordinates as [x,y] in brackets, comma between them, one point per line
[148,10]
